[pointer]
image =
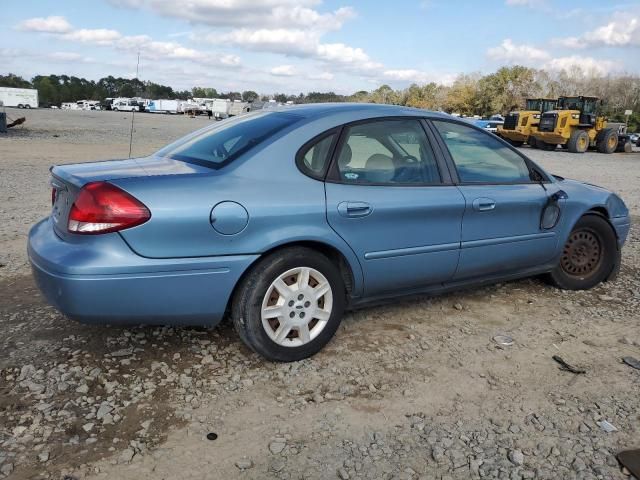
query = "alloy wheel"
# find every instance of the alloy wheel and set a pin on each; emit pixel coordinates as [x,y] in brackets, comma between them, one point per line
[297,307]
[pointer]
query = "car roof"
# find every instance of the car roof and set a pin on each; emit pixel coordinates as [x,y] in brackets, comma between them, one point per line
[312,111]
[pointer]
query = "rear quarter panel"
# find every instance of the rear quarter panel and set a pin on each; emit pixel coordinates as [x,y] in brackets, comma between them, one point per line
[284,205]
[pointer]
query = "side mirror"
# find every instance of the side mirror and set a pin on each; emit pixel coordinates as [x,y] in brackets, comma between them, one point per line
[551,212]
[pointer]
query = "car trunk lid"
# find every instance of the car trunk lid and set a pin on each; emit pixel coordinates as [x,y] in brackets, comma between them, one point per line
[67,180]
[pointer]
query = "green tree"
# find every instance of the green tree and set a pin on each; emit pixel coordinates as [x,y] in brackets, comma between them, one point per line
[14,81]
[249,96]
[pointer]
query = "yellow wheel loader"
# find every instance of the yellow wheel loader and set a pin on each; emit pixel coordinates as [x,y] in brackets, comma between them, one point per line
[577,125]
[519,125]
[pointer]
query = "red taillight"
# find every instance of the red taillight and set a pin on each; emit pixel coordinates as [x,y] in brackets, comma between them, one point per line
[101,207]
[53,196]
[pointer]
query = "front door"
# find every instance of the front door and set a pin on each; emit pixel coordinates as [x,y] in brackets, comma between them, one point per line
[501,229]
[386,199]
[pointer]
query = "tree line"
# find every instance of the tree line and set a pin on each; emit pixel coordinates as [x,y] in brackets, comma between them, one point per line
[469,94]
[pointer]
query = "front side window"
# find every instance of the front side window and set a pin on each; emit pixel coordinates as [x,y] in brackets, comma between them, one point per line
[480,157]
[392,152]
[227,140]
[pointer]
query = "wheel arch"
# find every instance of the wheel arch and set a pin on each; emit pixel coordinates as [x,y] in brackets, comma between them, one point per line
[351,274]
[602,212]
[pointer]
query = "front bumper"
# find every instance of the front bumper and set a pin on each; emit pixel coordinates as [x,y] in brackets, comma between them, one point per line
[514,135]
[99,279]
[550,137]
[622,225]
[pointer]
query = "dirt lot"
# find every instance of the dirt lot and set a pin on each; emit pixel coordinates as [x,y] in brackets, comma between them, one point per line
[416,389]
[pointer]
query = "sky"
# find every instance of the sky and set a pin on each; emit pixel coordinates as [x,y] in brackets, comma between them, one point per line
[295,46]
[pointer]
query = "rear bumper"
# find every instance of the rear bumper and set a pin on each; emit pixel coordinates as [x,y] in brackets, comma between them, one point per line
[101,280]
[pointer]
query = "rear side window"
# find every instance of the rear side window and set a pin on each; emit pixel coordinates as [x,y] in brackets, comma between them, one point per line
[313,159]
[216,146]
[480,157]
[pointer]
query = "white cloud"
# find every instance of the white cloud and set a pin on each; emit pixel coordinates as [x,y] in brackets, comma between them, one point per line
[281,40]
[321,76]
[283,71]
[53,24]
[586,64]
[238,13]
[417,76]
[623,30]
[510,52]
[522,3]
[299,43]
[100,36]
[348,56]
[68,57]
[528,55]
[143,44]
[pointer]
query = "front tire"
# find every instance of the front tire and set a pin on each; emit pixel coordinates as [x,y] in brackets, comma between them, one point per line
[578,142]
[290,304]
[590,255]
[608,141]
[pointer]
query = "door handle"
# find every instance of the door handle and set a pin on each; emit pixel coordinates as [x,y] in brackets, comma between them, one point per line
[484,204]
[354,209]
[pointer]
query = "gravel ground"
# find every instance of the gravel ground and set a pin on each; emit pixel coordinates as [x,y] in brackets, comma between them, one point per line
[416,389]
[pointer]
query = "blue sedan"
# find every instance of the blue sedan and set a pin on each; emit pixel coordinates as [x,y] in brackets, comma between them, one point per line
[284,218]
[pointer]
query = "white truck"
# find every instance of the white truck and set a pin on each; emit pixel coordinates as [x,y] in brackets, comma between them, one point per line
[19,97]
[125,105]
[164,106]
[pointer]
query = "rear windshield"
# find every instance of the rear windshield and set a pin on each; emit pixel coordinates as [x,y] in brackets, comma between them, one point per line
[220,144]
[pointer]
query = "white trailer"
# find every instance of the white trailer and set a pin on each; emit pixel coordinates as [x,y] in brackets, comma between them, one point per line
[19,97]
[219,107]
[164,106]
[238,108]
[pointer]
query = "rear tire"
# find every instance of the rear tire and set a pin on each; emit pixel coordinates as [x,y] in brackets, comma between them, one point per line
[578,142]
[533,143]
[590,255]
[516,143]
[281,309]
[608,141]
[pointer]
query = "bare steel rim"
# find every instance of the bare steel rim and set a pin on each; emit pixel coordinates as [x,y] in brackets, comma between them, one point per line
[582,254]
[297,307]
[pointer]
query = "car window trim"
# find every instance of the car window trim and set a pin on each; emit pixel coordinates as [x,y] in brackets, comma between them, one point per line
[333,175]
[310,144]
[454,169]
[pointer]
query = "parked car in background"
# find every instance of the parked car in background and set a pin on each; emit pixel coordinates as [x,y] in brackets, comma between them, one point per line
[125,106]
[492,125]
[283,218]
[634,138]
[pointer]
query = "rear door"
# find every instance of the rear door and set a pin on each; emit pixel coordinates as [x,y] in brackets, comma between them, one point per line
[388,198]
[501,229]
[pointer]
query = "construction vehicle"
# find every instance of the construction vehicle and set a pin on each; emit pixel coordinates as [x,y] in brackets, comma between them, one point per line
[577,125]
[520,124]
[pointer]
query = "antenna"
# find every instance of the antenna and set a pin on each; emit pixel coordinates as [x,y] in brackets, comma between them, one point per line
[133,112]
